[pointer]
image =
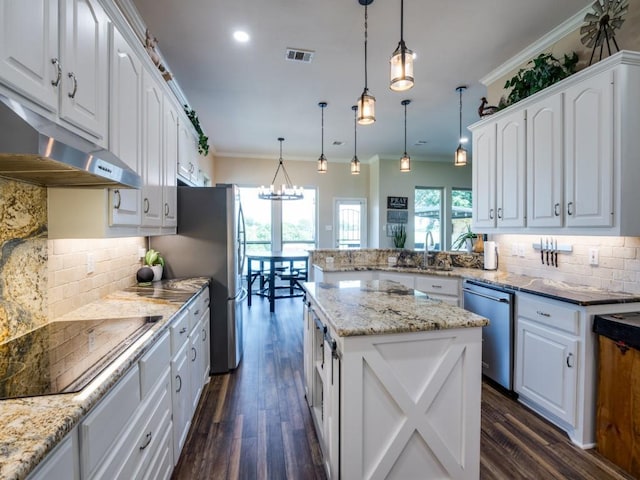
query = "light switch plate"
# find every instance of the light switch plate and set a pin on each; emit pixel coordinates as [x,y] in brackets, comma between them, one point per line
[514,249]
[594,255]
[521,249]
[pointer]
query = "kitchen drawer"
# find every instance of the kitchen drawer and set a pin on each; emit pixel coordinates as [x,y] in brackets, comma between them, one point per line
[439,285]
[161,466]
[549,313]
[136,447]
[197,307]
[153,364]
[105,422]
[179,331]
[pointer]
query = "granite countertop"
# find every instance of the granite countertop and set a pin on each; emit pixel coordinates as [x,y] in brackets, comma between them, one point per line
[555,289]
[381,307]
[33,426]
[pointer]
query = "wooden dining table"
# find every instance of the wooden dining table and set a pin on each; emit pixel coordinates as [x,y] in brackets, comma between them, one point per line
[266,268]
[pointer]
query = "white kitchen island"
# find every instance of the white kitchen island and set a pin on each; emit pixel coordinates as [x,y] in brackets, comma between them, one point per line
[393,380]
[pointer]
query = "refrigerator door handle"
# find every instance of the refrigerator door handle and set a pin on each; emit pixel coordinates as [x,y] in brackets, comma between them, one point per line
[242,238]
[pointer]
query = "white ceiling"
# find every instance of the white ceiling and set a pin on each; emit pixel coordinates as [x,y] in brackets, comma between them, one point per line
[247,95]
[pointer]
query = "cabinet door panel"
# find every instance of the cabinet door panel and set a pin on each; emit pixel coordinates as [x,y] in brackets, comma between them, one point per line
[181,399]
[84,53]
[589,152]
[28,44]
[170,165]
[510,168]
[545,179]
[484,177]
[546,369]
[152,99]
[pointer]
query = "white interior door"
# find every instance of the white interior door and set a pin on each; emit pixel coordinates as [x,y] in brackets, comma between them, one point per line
[350,223]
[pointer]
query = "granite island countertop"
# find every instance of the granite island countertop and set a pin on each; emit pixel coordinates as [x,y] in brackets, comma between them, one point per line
[33,426]
[558,290]
[380,307]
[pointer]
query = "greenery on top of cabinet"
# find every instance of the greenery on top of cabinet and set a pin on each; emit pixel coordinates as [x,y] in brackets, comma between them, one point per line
[203,140]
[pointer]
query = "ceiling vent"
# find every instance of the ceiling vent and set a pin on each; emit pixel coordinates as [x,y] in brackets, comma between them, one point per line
[297,55]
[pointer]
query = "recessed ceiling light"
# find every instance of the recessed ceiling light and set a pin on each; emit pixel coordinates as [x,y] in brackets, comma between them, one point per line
[241,36]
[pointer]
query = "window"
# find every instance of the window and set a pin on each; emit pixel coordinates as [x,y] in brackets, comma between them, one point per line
[279,225]
[460,213]
[428,217]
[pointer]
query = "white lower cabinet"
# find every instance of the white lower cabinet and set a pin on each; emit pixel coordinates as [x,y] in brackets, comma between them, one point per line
[405,279]
[181,398]
[62,463]
[440,288]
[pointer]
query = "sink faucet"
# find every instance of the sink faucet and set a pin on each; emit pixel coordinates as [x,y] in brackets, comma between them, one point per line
[428,236]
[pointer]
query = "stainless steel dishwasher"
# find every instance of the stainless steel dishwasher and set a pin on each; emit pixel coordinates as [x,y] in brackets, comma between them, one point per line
[496,304]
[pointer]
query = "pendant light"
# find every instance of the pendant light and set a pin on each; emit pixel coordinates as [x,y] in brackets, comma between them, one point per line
[401,61]
[355,163]
[460,159]
[322,160]
[405,161]
[366,102]
[286,191]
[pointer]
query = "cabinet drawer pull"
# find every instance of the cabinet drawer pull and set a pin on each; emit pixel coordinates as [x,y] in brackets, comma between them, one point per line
[436,286]
[556,209]
[118,199]
[182,330]
[491,213]
[500,213]
[197,312]
[570,208]
[543,314]
[56,63]
[147,205]
[147,442]
[569,360]
[195,354]
[204,334]
[72,94]
[166,209]
[179,379]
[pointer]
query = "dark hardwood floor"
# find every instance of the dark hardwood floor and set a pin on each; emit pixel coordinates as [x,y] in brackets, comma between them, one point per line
[254,423]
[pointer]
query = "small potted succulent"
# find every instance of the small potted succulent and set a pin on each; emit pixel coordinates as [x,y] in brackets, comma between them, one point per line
[154,260]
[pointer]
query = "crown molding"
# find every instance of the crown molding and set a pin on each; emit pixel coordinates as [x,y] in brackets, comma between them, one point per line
[537,47]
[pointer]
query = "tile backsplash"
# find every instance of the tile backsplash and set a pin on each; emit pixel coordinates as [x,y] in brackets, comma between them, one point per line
[618,266]
[41,279]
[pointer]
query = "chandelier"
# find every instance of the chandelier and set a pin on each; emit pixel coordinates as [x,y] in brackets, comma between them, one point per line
[286,191]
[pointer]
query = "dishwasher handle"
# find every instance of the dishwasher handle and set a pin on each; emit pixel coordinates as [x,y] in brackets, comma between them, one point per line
[495,299]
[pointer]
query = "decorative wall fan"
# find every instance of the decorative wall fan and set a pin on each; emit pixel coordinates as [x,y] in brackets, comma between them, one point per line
[601,25]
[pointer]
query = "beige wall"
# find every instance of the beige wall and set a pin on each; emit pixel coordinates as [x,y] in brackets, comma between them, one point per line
[423,174]
[337,182]
[628,38]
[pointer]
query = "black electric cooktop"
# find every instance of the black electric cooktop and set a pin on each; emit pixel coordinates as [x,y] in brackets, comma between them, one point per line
[63,357]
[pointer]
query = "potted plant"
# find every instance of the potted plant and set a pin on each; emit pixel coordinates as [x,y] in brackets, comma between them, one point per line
[155,261]
[399,236]
[465,238]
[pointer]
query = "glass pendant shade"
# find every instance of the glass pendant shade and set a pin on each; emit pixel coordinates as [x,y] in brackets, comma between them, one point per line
[355,166]
[322,164]
[460,157]
[405,163]
[366,109]
[401,69]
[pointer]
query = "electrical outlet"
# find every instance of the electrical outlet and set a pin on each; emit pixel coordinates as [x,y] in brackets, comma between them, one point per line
[141,252]
[521,249]
[514,249]
[328,260]
[392,260]
[91,263]
[593,256]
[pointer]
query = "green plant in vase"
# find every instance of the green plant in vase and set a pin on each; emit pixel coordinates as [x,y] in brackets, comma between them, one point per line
[156,262]
[399,236]
[465,238]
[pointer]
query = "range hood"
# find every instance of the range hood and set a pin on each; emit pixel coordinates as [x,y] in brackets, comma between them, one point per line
[36,150]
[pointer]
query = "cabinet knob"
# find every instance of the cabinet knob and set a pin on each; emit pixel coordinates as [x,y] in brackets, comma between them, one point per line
[182,330]
[55,62]
[556,209]
[72,94]
[204,334]
[570,360]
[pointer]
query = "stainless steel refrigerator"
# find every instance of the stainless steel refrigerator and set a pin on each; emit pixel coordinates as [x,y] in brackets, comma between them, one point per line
[210,242]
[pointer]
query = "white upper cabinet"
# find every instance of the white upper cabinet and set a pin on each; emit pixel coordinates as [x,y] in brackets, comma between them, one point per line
[545,174]
[484,177]
[170,164]
[510,170]
[589,152]
[580,166]
[84,59]
[125,124]
[152,100]
[29,62]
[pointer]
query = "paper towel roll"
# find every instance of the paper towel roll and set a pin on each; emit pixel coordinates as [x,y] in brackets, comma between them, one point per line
[490,256]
